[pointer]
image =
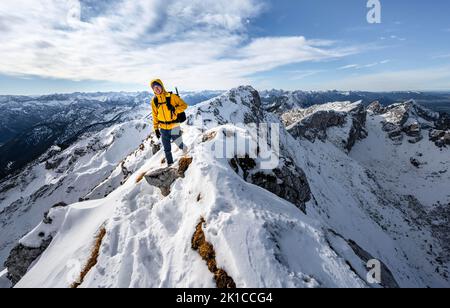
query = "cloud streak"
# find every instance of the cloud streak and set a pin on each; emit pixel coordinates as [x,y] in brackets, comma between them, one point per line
[359,66]
[195,44]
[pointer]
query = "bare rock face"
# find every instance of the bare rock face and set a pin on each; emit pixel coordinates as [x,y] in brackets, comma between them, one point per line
[446,138]
[411,120]
[415,162]
[314,124]
[357,131]
[287,181]
[436,135]
[439,137]
[21,258]
[444,122]
[164,178]
[376,108]
[54,163]
[24,254]
[156,147]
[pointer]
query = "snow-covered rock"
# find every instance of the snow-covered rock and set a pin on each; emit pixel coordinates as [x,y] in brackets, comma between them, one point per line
[286,181]
[341,122]
[30,248]
[376,108]
[410,120]
[163,178]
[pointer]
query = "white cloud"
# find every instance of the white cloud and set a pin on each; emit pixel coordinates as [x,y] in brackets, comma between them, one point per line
[358,66]
[196,44]
[346,67]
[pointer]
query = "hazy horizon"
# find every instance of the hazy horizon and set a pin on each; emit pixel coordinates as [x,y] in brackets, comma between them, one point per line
[224,90]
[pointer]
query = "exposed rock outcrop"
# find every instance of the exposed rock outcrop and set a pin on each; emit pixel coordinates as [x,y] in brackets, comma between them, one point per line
[287,181]
[23,255]
[21,258]
[357,130]
[411,120]
[314,123]
[155,146]
[376,108]
[164,178]
[315,126]
[439,137]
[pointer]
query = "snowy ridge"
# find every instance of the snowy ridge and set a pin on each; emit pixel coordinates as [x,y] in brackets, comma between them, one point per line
[149,237]
[408,114]
[294,116]
[363,200]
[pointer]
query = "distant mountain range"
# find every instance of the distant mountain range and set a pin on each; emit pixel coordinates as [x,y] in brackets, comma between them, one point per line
[279,100]
[30,125]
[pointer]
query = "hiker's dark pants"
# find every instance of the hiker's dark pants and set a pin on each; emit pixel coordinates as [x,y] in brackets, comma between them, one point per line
[167,136]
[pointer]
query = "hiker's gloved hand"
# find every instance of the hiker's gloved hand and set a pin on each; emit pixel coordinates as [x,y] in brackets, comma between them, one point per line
[158,134]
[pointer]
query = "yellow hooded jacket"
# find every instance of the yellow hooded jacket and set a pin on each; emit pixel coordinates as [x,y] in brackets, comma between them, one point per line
[162,117]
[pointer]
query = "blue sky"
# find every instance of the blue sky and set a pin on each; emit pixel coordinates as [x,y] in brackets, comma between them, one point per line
[53,46]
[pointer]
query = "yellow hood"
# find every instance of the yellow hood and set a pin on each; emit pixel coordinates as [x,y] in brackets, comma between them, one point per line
[160,82]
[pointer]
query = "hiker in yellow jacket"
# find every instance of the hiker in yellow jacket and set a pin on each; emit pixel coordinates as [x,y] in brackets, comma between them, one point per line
[165,109]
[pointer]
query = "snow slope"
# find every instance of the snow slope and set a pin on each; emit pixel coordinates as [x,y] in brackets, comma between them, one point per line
[366,197]
[391,164]
[65,176]
[4,282]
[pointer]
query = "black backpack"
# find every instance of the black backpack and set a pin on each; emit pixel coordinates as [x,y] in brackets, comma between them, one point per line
[181,117]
